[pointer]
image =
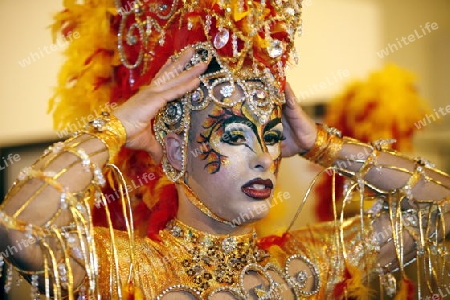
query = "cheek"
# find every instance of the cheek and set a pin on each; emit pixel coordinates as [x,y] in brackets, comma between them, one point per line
[274,151]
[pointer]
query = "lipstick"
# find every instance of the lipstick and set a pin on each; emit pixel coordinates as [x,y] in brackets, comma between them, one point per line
[258,188]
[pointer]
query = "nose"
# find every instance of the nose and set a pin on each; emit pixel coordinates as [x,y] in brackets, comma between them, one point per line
[261,161]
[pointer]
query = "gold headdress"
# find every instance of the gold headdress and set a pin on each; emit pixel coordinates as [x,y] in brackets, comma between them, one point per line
[250,41]
[257,34]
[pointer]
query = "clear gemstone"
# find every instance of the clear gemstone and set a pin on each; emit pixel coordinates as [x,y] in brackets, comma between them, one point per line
[176,231]
[260,94]
[221,38]
[229,244]
[390,285]
[98,124]
[302,276]
[275,48]
[131,40]
[227,90]
[163,7]
[197,269]
[207,242]
[290,11]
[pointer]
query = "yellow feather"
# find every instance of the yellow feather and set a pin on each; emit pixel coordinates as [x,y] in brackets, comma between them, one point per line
[356,289]
[76,95]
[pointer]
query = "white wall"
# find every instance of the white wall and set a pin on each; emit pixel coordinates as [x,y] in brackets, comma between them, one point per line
[24,90]
[338,36]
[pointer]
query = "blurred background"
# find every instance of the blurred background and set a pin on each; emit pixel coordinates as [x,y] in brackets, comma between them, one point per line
[342,41]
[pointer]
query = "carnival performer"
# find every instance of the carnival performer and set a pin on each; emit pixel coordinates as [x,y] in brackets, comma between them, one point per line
[209,75]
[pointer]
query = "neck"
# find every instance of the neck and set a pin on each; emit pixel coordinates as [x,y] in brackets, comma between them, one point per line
[193,217]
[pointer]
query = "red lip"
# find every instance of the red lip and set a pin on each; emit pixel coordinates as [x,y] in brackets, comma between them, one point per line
[258,194]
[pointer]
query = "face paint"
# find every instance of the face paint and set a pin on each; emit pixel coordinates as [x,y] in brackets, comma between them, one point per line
[236,127]
[234,159]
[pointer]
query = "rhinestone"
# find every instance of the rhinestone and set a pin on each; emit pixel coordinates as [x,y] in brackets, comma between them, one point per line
[24,173]
[300,30]
[98,124]
[227,90]
[171,111]
[197,269]
[263,119]
[229,244]
[221,38]
[131,40]
[260,94]
[290,11]
[163,7]
[176,231]
[137,9]
[57,147]
[207,241]
[275,48]
[196,96]
[302,276]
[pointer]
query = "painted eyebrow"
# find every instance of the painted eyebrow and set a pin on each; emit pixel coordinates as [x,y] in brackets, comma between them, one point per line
[244,121]
[241,120]
[272,124]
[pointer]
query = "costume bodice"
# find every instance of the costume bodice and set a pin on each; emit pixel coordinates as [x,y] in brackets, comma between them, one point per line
[190,264]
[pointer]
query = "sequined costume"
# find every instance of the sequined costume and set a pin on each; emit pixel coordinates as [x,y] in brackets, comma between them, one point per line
[203,265]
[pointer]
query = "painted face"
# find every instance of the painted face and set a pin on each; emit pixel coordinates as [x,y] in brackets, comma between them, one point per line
[233,160]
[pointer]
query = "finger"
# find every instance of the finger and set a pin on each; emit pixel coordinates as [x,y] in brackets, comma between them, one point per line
[178,91]
[183,83]
[184,77]
[291,99]
[178,65]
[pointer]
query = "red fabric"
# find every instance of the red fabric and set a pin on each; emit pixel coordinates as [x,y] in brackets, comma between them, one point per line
[409,288]
[273,240]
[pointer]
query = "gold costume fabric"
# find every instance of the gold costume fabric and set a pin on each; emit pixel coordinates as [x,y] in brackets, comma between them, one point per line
[204,265]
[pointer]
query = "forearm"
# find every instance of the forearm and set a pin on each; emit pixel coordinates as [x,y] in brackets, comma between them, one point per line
[46,227]
[381,169]
[388,171]
[40,200]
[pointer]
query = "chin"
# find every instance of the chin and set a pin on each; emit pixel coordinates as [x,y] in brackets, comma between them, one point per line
[250,214]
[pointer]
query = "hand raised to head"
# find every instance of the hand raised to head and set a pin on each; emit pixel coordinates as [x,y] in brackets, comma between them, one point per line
[136,114]
[298,128]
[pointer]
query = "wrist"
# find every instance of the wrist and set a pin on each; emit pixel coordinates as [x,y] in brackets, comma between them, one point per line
[326,147]
[110,130]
